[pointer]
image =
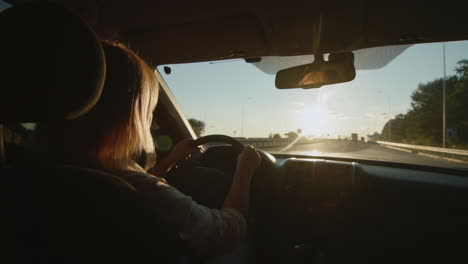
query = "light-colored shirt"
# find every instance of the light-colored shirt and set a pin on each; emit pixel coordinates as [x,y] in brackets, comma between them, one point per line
[207,231]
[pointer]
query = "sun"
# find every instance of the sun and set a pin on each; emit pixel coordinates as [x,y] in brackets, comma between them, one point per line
[314,120]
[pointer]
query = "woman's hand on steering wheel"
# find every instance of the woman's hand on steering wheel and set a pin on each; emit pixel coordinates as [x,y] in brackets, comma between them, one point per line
[248,159]
[181,151]
[184,149]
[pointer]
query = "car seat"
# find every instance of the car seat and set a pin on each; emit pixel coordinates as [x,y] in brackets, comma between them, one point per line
[53,69]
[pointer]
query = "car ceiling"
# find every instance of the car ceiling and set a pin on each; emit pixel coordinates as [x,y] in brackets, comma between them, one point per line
[166,32]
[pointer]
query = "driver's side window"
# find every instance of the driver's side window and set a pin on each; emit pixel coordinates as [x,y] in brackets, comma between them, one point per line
[17,140]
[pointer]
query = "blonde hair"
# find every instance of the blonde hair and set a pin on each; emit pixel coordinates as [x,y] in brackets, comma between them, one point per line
[117,130]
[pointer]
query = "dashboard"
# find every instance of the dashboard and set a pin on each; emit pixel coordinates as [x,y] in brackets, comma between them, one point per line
[323,210]
[332,211]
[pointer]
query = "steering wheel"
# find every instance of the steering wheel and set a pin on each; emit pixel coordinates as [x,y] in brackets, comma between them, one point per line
[263,177]
[267,160]
[236,144]
[264,185]
[184,176]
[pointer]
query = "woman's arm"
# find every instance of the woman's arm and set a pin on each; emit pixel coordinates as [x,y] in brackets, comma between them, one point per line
[247,162]
[207,231]
[182,150]
[163,166]
[238,196]
[215,232]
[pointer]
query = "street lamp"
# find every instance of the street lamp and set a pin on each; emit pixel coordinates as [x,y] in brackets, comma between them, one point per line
[390,116]
[390,129]
[242,119]
[443,101]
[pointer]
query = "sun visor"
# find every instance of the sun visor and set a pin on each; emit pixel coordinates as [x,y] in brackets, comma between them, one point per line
[52,64]
[364,59]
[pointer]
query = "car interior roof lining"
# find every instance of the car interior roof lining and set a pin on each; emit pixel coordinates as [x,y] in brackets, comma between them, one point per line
[205,30]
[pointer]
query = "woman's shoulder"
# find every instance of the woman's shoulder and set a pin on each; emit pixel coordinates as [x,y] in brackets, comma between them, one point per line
[141,178]
[162,196]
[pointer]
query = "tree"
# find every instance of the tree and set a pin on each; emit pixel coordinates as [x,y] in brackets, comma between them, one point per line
[462,70]
[292,135]
[395,129]
[274,136]
[425,118]
[422,124]
[457,111]
[198,126]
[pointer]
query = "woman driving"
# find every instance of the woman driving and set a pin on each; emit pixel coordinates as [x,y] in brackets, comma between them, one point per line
[117,130]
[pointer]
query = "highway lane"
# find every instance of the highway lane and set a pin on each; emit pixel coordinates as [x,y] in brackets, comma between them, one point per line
[361,150]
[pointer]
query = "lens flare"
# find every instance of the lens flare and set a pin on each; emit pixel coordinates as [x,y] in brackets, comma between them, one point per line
[315,120]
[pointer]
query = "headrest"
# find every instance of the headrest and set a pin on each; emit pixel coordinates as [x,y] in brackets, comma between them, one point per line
[52,65]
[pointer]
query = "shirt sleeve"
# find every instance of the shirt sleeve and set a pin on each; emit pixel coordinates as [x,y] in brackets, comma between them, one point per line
[207,231]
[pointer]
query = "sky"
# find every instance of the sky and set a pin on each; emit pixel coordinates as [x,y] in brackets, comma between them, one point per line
[3,5]
[237,99]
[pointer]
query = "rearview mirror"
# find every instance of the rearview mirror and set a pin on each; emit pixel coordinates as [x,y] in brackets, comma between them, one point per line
[338,69]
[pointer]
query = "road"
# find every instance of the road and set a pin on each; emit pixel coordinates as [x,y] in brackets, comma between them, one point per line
[360,150]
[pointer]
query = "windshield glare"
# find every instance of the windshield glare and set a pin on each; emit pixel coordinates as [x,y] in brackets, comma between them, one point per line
[393,113]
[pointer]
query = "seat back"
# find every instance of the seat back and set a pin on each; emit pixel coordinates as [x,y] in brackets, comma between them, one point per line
[53,69]
[79,215]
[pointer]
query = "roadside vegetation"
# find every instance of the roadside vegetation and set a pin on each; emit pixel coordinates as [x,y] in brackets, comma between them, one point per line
[198,126]
[422,124]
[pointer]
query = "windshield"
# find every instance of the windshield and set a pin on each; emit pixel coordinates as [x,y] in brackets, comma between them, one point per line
[391,112]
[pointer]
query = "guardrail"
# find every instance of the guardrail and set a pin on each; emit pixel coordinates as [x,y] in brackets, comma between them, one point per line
[271,143]
[261,143]
[453,153]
